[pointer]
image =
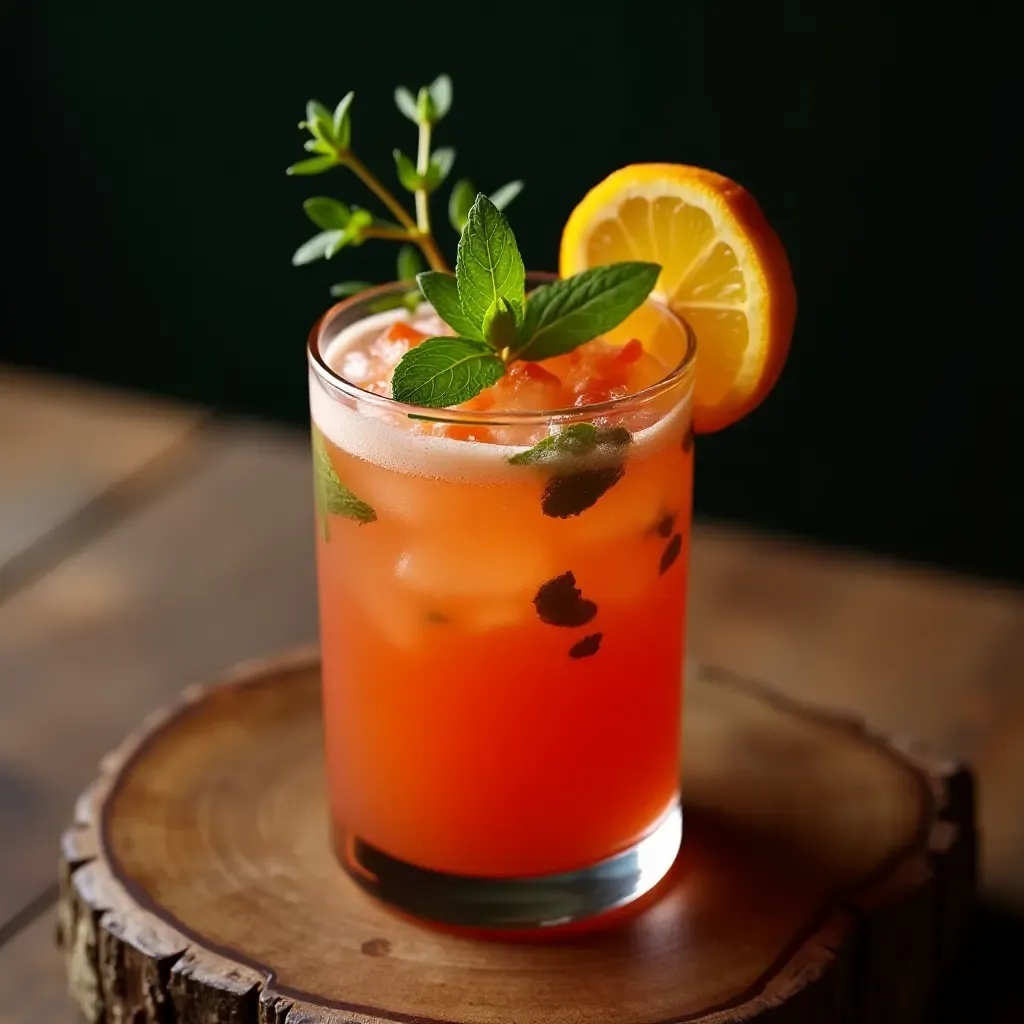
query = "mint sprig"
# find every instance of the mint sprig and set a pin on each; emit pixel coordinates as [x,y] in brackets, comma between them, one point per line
[496,322]
[484,302]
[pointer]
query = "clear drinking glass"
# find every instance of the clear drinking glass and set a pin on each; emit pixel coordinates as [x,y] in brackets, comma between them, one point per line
[502,638]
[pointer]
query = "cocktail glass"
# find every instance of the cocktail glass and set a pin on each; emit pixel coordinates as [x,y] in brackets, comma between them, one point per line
[502,642]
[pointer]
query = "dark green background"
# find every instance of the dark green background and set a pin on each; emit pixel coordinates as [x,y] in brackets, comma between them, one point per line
[151,224]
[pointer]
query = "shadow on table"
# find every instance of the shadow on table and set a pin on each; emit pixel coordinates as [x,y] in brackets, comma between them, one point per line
[989,987]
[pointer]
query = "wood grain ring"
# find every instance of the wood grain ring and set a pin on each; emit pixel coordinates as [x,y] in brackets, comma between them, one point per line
[827,874]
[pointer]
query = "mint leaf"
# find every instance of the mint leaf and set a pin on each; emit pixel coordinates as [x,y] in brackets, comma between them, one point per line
[314,165]
[441,94]
[407,173]
[442,292]
[327,213]
[503,196]
[564,314]
[342,122]
[489,266]
[409,263]
[346,289]
[576,440]
[459,203]
[332,497]
[316,248]
[499,325]
[442,372]
[406,103]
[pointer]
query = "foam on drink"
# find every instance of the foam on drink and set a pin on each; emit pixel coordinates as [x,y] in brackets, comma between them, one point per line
[375,430]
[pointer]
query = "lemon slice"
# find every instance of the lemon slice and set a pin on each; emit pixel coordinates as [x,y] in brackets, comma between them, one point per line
[724,271]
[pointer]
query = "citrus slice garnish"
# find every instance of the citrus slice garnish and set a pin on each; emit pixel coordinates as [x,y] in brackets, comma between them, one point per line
[724,271]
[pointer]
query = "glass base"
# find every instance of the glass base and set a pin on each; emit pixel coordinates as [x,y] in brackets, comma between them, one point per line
[543,901]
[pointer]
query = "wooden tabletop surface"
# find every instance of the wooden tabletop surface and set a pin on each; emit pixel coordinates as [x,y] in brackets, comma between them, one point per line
[144,546]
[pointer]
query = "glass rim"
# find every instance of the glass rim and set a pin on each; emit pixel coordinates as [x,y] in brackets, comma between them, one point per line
[485,417]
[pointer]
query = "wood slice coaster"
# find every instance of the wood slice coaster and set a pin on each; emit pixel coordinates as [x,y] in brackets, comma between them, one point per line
[826,875]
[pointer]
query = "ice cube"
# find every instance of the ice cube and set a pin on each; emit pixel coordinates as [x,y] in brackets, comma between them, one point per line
[474,563]
[386,351]
[398,618]
[392,612]
[432,325]
[355,366]
[621,573]
[629,507]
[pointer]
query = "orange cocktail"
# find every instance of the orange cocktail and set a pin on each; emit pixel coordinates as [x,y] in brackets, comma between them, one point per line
[502,618]
[503,473]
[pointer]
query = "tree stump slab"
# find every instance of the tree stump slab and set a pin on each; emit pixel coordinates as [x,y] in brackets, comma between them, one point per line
[826,875]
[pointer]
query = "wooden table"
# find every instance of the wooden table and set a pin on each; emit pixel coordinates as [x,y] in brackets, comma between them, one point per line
[144,546]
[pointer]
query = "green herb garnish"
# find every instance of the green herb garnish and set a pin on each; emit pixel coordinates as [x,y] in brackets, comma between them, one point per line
[576,440]
[484,302]
[489,269]
[572,490]
[332,497]
[565,314]
[446,371]
[442,292]
[342,225]
[497,323]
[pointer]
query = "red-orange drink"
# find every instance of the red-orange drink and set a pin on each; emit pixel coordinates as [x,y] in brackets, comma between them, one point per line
[502,625]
